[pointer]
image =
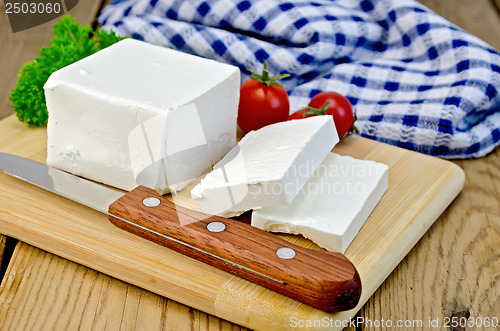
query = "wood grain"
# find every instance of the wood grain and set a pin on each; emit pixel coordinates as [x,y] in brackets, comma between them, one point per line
[455,267]
[454,270]
[46,292]
[3,244]
[462,267]
[420,187]
[324,280]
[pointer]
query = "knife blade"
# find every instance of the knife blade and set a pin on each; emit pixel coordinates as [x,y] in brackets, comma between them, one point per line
[324,280]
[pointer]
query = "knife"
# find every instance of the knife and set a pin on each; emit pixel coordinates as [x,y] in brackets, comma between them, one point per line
[324,280]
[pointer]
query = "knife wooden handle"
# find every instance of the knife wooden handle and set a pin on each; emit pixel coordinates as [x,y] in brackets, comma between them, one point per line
[324,280]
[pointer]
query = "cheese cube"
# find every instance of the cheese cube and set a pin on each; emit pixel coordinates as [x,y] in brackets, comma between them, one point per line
[333,205]
[267,167]
[139,114]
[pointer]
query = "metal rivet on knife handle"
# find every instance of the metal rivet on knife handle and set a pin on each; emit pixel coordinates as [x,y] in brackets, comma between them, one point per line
[323,280]
[285,253]
[216,226]
[151,202]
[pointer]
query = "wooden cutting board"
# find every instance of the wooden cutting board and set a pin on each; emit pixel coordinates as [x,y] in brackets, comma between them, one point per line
[420,188]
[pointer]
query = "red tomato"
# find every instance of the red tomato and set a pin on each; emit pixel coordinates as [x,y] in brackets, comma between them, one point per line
[261,105]
[300,114]
[263,101]
[339,107]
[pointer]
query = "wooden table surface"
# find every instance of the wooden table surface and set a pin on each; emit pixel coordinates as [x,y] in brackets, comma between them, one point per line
[454,270]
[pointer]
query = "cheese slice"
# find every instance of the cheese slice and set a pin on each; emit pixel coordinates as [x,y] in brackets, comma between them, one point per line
[333,205]
[267,167]
[139,114]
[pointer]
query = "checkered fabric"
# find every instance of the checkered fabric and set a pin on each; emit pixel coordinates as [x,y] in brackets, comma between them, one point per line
[416,80]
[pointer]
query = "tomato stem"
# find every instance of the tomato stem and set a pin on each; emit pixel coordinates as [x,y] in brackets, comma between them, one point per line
[353,127]
[316,111]
[265,78]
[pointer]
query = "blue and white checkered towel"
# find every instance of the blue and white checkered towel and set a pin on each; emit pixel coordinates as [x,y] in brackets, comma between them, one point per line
[416,80]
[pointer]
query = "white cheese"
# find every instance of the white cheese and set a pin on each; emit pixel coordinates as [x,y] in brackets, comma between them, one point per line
[139,114]
[267,167]
[333,205]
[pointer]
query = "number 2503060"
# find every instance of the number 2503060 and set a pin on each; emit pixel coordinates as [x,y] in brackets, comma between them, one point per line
[478,322]
[32,8]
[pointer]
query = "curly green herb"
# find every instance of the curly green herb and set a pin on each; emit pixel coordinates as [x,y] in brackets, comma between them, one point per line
[71,42]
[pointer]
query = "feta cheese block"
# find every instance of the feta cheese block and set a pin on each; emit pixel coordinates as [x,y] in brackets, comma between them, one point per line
[333,205]
[139,114]
[267,167]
